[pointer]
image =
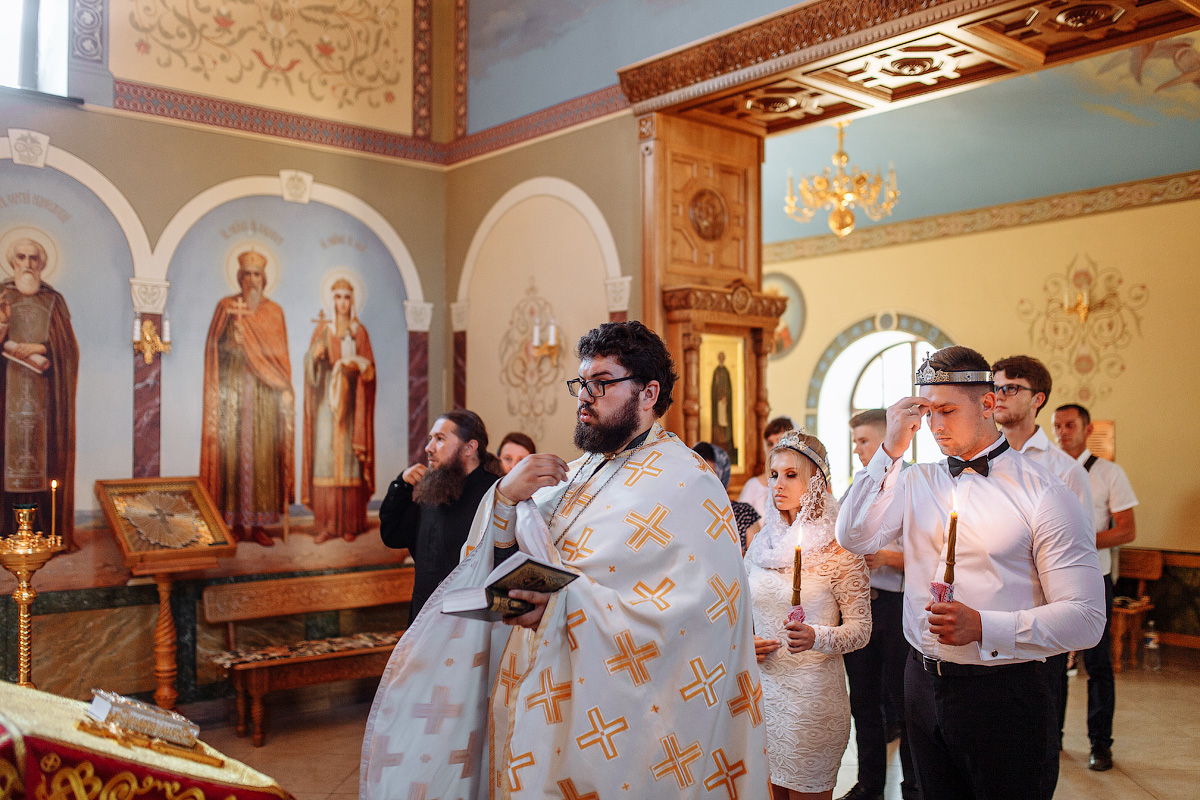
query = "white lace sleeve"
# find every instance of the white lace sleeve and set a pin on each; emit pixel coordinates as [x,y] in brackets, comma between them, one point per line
[851,585]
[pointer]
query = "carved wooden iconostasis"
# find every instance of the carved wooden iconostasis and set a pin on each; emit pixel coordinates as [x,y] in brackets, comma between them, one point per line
[701,277]
[704,111]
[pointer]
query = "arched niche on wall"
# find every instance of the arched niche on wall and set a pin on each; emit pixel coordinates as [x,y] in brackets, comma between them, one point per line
[837,373]
[325,204]
[97,242]
[543,253]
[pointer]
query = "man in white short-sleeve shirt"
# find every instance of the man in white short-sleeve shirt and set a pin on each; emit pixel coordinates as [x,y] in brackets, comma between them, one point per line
[1113,506]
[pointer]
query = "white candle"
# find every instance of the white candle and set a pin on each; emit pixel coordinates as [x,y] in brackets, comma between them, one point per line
[166,337]
[137,326]
[537,333]
[553,336]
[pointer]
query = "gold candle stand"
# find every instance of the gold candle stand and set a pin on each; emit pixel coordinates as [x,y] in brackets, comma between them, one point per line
[23,554]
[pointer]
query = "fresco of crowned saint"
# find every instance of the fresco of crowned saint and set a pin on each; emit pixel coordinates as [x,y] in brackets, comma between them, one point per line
[37,382]
[247,451]
[338,475]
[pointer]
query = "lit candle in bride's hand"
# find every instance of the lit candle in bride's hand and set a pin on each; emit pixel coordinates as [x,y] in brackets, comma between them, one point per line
[951,539]
[796,579]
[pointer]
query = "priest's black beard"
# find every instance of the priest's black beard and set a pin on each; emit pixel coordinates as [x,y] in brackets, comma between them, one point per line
[607,437]
[441,486]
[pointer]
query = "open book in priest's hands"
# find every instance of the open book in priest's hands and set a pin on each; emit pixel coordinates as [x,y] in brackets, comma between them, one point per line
[491,602]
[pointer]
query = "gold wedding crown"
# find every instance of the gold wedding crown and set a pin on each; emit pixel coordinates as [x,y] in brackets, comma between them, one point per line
[927,375]
[798,440]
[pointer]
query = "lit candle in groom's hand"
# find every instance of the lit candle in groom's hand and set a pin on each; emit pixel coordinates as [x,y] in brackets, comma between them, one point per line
[951,539]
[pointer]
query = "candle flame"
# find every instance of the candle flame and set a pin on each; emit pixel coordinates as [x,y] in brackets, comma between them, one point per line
[953,501]
[53,485]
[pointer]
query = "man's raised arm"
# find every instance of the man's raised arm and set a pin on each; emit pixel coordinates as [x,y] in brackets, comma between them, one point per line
[873,512]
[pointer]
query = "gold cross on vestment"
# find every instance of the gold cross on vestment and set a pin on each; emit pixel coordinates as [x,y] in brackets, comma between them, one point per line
[602,733]
[657,595]
[630,658]
[749,699]
[726,774]
[723,521]
[726,595]
[567,787]
[676,762]
[704,683]
[549,696]
[437,710]
[469,756]
[643,468]
[648,528]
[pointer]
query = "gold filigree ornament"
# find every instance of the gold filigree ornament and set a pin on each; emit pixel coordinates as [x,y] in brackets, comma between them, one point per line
[1086,316]
[80,783]
[10,781]
[163,520]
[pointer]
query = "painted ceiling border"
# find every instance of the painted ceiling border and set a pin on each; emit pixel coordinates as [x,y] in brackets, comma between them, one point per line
[1051,208]
[185,107]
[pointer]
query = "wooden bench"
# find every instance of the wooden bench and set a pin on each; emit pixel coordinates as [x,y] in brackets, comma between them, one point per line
[257,671]
[1141,565]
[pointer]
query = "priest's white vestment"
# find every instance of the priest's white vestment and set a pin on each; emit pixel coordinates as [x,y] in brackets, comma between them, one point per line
[640,680]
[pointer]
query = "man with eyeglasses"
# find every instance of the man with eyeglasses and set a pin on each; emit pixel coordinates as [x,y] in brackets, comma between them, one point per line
[1022,385]
[638,679]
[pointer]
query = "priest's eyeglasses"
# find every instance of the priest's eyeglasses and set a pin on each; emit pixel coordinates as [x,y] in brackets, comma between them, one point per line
[1010,389]
[594,387]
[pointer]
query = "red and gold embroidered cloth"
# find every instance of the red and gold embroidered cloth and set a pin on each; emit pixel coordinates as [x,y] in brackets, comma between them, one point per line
[44,757]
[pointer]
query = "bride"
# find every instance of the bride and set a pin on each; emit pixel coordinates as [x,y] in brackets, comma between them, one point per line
[805,704]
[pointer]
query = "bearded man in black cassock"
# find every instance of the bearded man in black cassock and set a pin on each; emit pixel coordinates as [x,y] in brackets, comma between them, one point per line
[429,509]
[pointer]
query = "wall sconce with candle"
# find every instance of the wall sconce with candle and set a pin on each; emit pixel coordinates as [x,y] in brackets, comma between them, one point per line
[146,339]
[551,347]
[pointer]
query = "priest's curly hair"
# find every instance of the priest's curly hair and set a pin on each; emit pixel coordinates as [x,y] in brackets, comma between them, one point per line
[639,350]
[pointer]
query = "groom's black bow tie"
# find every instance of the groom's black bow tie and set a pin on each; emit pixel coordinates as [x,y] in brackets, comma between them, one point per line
[980,464]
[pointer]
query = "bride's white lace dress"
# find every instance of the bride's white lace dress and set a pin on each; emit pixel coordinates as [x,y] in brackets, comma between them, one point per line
[805,705]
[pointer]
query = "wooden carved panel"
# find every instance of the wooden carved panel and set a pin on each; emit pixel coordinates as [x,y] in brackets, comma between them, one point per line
[776,106]
[270,598]
[1057,30]
[700,207]
[708,209]
[927,64]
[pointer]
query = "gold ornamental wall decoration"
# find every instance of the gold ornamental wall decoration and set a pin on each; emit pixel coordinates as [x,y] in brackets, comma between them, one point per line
[1086,317]
[530,367]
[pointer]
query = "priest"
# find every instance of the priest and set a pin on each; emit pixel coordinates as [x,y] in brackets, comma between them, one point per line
[639,679]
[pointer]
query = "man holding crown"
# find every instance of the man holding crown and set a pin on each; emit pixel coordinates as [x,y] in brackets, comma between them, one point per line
[1028,582]
[247,451]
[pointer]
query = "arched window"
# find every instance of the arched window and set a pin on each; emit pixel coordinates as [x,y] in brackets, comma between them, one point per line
[869,365]
[887,378]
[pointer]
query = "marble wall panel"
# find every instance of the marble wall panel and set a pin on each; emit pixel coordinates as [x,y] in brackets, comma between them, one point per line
[110,648]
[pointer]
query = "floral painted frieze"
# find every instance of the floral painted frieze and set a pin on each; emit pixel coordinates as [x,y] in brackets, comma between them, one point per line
[349,60]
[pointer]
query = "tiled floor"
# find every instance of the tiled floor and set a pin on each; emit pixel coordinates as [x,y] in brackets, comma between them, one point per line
[314,754]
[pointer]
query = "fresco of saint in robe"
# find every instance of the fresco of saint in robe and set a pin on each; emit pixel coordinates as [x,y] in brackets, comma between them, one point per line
[338,475]
[37,381]
[247,451]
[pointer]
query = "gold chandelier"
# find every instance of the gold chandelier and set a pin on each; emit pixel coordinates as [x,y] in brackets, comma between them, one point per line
[841,192]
